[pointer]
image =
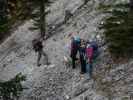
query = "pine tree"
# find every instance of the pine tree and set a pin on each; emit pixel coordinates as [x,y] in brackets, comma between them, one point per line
[131,4]
[118,30]
[3,18]
[39,16]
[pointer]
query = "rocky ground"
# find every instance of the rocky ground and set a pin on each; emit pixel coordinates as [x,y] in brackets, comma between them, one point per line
[57,81]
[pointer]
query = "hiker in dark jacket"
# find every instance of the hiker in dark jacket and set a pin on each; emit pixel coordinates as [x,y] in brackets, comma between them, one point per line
[82,52]
[94,45]
[38,47]
[74,50]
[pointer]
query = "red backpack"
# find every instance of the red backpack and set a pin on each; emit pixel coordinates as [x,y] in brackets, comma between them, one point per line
[89,52]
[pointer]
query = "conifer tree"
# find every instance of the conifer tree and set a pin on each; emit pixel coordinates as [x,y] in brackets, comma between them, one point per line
[131,4]
[3,18]
[118,30]
[39,16]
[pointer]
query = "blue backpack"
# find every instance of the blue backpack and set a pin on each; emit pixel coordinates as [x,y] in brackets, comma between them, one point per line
[94,44]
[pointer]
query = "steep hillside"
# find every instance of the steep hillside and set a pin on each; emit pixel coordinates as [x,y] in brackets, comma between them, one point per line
[57,81]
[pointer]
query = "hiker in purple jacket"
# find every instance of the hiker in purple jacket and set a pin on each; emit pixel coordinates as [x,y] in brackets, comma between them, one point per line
[74,49]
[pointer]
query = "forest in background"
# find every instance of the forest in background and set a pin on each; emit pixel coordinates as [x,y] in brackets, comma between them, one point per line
[118,28]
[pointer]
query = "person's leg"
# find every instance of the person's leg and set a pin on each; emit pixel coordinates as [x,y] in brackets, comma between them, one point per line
[73,61]
[38,59]
[90,69]
[82,65]
[46,57]
[43,53]
[87,67]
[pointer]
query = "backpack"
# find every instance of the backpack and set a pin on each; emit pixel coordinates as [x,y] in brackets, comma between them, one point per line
[37,45]
[89,52]
[94,45]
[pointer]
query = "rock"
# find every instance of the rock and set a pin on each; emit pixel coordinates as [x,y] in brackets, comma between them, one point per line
[67,97]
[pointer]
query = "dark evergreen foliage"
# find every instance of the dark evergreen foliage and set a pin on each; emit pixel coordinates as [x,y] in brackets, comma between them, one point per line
[118,30]
[10,12]
[12,89]
[39,16]
[3,18]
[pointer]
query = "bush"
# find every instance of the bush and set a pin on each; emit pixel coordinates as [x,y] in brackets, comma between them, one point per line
[12,89]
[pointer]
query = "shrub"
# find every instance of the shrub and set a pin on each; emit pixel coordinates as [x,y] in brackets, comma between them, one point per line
[12,89]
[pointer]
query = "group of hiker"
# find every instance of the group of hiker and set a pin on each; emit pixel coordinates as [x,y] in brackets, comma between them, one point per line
[88,51]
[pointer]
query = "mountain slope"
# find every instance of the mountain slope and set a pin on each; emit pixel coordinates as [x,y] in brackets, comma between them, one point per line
[56,81]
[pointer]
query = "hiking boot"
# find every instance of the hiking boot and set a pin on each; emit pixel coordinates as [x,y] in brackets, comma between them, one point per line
[81,77]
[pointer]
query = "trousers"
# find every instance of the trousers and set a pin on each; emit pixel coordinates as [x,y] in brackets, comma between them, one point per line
[89,68]
[40,53]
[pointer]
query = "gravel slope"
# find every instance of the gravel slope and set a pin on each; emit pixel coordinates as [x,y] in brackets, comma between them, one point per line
[56,81]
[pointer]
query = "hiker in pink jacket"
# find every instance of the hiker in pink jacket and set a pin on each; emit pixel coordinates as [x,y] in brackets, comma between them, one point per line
[89,55]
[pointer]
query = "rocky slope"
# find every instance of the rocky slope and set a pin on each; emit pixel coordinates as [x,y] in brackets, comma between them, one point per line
[57,81]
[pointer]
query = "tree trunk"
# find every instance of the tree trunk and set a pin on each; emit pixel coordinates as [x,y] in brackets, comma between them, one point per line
[42,19]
